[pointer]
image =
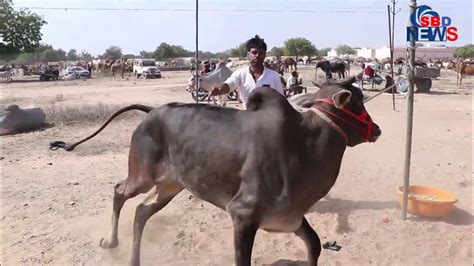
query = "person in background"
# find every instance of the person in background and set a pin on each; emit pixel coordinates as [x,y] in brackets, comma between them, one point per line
[248,78]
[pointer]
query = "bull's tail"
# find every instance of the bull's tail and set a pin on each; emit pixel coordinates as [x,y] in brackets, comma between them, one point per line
[69,147]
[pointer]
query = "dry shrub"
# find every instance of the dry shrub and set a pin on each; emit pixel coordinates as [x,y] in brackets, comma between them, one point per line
[83,113]
[59,97]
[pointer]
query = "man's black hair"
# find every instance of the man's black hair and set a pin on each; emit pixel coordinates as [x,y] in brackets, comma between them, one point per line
[257,43]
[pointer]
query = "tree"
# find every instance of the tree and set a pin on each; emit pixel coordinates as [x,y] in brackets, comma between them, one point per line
[61,54]
[179,51]
[239,51]
[24,59]
[145,54]
[128,56]
[324,51]
[465,51]
[299,47]
[163,52]
[345,49]
[277,52]
[20,30]
[72,55]
[52,55]
[85,56]
[49,55]
[112,53]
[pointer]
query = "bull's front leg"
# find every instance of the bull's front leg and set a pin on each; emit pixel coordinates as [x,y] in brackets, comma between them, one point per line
[246,224]
[311,240]
[244,235]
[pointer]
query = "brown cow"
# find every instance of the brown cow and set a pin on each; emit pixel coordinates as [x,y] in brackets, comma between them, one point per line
[462,69]
[287,64]
[266,166]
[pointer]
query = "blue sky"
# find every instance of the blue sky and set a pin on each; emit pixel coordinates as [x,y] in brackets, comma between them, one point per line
[326,23]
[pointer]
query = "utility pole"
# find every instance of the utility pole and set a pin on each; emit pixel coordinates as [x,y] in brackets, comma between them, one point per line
[196,56]
[392,51]
[411,76]
[391,32]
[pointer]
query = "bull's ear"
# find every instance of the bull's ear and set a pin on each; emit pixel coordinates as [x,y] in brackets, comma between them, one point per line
[341,98]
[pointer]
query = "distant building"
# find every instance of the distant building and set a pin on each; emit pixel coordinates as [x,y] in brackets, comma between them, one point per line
[366,52]
[384,52]
[425,52]
[332,52]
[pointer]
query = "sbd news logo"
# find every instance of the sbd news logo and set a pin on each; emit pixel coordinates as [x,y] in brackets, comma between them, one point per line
[431,27]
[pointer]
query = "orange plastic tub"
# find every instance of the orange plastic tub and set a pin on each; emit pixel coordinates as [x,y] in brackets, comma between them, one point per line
[428,201]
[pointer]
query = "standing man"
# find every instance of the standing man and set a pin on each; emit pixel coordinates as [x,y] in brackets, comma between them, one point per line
[246,79]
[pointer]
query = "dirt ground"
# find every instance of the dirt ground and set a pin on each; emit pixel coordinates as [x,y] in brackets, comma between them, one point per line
[56,205]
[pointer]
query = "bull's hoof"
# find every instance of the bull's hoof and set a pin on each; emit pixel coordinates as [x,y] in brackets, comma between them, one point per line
[106,244]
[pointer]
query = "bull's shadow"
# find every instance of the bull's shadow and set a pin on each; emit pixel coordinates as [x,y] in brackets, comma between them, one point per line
[345,207]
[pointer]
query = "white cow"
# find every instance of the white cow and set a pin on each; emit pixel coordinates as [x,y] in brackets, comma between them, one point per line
[213,79]
[14,119]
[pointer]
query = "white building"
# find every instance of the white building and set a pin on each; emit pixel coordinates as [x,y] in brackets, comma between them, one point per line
[425,52]
[384,52]
[366,52]
[332,53]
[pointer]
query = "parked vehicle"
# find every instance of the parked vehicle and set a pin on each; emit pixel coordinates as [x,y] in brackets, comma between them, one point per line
[47,72]
[78,71]
[146,68]
[423,76]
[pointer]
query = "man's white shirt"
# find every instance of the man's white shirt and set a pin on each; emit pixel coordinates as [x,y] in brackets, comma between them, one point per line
[291,81]
[243,80]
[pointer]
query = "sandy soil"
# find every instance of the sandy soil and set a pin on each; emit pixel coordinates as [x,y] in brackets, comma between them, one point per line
[57,205]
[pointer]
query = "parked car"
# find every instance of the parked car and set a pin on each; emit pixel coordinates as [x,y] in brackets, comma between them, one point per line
[146,68]
[79,71]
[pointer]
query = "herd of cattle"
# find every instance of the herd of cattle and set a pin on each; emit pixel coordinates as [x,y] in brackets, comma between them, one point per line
[339,66]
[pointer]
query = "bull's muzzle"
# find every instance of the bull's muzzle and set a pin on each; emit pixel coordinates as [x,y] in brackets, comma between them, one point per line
[376,132]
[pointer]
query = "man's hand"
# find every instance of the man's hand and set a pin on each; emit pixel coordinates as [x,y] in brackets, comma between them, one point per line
[215,91]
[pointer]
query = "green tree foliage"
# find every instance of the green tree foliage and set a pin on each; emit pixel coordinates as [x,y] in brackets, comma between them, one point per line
[277,52]
[24,59]
[345,49]
[145,54]
[72,55]
[466,51]
[299,47]
[52,55]
[85,56]
[128,56]
[239,51]
[20,30]
[112,53]
[324,51]
[165,51]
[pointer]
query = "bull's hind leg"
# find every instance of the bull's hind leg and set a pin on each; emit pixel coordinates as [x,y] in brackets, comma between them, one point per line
[311,240]
[122,192]
[163,194]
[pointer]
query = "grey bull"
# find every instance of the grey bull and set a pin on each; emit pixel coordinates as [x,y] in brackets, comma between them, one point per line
[266,166]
